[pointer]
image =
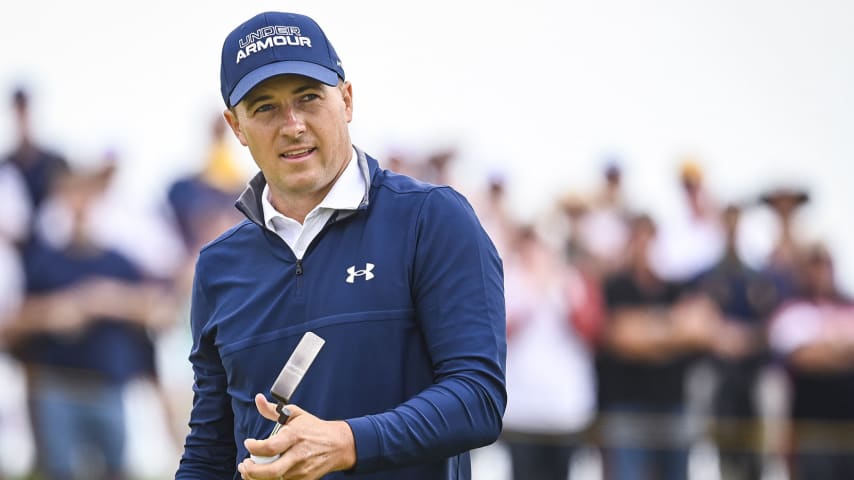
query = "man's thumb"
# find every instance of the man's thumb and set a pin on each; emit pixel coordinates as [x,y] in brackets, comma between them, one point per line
[265,408]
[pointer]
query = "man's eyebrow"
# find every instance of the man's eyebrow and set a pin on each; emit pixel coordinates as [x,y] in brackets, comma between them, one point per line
[262,97]
[310,85]
[252,100]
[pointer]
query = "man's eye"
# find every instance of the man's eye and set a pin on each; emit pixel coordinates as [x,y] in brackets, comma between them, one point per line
[264,108]
[309,97]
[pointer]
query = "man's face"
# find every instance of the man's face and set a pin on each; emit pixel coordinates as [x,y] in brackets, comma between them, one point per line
[296,130]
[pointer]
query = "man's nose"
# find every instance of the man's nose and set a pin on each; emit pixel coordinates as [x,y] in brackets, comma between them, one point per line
[292,123]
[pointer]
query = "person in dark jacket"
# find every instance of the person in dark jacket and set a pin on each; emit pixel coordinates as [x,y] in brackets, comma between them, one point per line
[813,335]
[397,276]
[82,332]
[39,167]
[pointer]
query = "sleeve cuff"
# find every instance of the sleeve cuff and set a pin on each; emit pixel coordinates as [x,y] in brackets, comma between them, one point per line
[367,442]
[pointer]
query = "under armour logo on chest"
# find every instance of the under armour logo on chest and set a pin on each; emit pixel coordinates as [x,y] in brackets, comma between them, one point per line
[353,273]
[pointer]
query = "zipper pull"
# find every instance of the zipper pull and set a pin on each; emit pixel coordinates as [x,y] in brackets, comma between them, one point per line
[299,266]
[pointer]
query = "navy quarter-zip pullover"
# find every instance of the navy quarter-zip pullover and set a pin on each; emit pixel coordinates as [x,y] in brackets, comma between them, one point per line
[407,291]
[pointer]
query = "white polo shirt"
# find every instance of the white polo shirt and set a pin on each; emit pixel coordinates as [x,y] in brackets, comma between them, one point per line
[346,194]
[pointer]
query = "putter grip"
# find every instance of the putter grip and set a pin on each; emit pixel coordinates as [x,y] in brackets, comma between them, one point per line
[264,460]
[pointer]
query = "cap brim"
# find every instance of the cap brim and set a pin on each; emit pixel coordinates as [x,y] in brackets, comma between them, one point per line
[293,67]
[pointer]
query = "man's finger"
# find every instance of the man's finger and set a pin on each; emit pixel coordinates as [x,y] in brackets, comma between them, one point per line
[274,445]
[268,447]
[273,470]
[249,470]
[294,410]
[265,408]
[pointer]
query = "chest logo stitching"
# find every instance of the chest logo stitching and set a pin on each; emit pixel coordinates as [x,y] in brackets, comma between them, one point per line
[366,272]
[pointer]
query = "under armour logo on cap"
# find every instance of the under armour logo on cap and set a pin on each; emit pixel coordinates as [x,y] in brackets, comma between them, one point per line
[353,273]
[275,43]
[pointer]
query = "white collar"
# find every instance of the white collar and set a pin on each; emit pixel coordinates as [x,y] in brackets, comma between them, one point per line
[346,193]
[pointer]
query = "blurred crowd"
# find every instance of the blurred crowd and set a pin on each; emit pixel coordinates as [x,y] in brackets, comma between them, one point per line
[648,340]
[87,288]
[637,338]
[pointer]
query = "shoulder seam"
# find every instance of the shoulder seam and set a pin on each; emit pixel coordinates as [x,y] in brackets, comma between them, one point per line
[428,187]
[225,236]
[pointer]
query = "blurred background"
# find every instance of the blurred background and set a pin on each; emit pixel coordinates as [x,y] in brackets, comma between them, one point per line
[668,183]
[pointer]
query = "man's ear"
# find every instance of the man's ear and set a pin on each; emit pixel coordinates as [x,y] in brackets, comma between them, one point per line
[347,95]
[234,123]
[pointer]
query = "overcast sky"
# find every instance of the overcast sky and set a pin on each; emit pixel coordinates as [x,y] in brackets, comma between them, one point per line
[760,91]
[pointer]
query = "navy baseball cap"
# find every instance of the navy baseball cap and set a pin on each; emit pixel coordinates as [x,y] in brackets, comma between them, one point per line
[275,43]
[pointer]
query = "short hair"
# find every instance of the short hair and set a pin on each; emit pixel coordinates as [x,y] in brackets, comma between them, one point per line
[20,98]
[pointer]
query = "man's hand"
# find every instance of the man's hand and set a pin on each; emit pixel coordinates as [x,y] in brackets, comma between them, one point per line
[310,447]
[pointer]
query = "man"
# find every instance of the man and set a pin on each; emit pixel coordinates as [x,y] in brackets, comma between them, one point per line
[652,334]
[813,334]
[745,298]
[550,374]
[82,333]
[38,167]
[15,212]
[396,275]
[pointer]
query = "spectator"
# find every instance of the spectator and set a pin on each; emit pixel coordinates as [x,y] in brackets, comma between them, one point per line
[493,214]
[550,376]
[745,298]
[81,333]
[202,203]
[437,168]
[785,258]
[38,166]
[574,209]
[650,338]
[692,241]
[814,335]
[400,160]
[15,212]
[603,226]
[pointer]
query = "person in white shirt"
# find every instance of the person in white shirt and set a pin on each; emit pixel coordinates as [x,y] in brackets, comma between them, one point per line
[550,377]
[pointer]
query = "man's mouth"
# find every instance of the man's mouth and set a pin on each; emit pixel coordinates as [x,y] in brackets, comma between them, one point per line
[297,154]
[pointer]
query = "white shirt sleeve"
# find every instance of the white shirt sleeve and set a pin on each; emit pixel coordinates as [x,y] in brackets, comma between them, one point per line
[795,326]
[14,205]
